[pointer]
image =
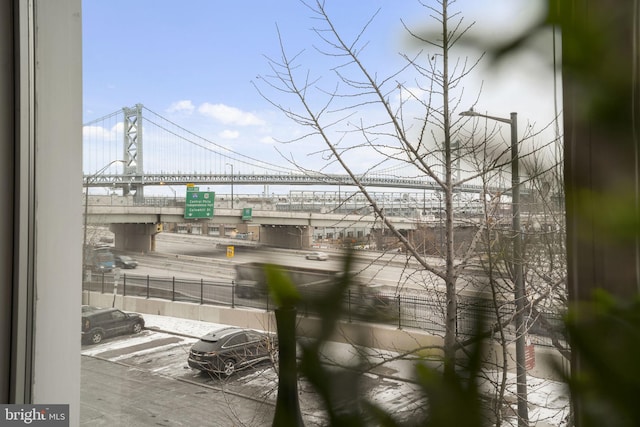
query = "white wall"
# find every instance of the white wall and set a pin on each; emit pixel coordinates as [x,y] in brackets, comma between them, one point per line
[58,213]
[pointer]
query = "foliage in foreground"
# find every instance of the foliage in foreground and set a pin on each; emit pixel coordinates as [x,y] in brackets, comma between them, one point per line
[605,335]
[339,388]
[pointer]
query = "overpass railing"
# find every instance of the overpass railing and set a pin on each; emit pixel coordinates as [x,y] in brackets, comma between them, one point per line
[401,310]
[406,205]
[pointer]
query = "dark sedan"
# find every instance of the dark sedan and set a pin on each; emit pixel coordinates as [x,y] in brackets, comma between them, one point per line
[231,349]
[124,261]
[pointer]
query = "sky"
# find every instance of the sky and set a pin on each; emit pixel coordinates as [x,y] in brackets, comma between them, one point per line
[197,63]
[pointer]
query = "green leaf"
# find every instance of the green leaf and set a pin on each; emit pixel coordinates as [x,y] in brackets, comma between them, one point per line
[281,288]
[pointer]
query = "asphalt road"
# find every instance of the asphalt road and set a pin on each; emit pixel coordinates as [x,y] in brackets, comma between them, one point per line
[391,270]
[115,394]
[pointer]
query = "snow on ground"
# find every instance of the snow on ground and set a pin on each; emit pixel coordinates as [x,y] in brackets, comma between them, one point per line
[548,400]
[192,328]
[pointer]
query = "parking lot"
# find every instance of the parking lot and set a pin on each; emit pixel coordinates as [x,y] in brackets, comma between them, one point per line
[143,379]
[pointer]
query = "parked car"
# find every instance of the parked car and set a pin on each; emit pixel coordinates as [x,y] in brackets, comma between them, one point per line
[99,323]
[320,256]
[124,261]
[231,349]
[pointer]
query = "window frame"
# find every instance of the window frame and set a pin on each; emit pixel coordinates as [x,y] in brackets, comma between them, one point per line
[41,94]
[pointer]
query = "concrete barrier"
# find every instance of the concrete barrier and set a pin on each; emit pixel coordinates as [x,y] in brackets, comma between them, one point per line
[383,337]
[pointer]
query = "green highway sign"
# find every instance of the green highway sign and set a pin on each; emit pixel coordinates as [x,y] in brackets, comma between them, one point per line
[247,214]
[199,204]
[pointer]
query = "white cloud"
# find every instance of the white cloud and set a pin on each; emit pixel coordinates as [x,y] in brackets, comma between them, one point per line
[184,106]
[100,133]
[230,115]
[229,134]
[267,140]
[94,131]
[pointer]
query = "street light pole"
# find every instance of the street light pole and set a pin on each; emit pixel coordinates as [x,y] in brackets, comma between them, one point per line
[229,164]
[518,284]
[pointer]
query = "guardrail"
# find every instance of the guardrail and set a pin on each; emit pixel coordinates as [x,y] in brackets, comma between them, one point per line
[402,310]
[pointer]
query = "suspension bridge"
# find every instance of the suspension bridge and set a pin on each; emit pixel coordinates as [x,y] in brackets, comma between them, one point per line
[155,151]
[136,148]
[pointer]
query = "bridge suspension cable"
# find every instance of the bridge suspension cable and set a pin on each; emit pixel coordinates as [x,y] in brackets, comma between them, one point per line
[233,155]
[174,155]
[103,118]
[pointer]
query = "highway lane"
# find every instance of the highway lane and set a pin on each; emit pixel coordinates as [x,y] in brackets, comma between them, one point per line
[202,258]
[194,257]
[392,270]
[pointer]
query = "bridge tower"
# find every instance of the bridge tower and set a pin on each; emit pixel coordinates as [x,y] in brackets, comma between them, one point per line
[132,144]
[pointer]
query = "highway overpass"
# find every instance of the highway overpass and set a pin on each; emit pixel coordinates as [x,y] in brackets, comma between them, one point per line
[135,226]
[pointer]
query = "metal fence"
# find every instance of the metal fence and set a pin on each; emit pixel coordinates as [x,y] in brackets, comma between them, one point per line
[424,312]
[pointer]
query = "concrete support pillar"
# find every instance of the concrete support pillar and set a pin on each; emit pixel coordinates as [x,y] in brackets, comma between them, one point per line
[153,242]
[134,237]
[306,237]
